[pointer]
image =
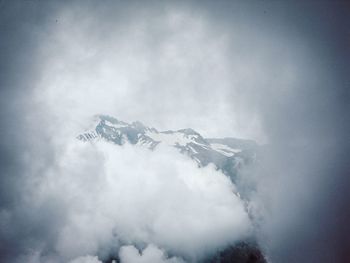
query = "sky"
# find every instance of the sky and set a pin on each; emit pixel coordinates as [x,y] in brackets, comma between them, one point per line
[275,72]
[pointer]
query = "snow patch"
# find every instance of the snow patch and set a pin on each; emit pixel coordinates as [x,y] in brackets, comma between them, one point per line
[224,149]
[176,138]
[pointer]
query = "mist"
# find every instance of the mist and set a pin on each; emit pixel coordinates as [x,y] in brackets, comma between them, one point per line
[268,71]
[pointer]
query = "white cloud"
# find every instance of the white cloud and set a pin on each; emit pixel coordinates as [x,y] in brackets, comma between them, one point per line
[246,75]
[86,259]
[151,254]
[171,69]
[151,68]
[113,195]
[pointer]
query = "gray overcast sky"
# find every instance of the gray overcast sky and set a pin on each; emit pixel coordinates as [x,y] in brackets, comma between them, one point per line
[215,67]
[274,71]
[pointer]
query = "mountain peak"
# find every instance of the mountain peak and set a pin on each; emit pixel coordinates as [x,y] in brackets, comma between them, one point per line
[110,119]
[188,131]
[227,154]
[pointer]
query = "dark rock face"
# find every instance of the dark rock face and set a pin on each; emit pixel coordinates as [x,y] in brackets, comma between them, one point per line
[240,253]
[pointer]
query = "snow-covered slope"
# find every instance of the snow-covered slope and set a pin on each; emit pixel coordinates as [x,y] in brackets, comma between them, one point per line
[227,154]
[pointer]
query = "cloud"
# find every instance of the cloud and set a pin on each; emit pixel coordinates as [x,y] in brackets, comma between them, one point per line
[163,62]
[151,254]
[275,71]
[113,195]
[96,198]
[82,199]
[86,259]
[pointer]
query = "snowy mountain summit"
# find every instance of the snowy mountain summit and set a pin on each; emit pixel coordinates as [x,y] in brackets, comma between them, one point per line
[227,154]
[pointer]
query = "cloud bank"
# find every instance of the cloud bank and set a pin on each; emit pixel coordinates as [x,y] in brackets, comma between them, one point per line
[107,196]
[150,254]
[275,72]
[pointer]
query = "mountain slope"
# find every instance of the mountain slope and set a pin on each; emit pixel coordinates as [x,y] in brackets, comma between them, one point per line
[227,154]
